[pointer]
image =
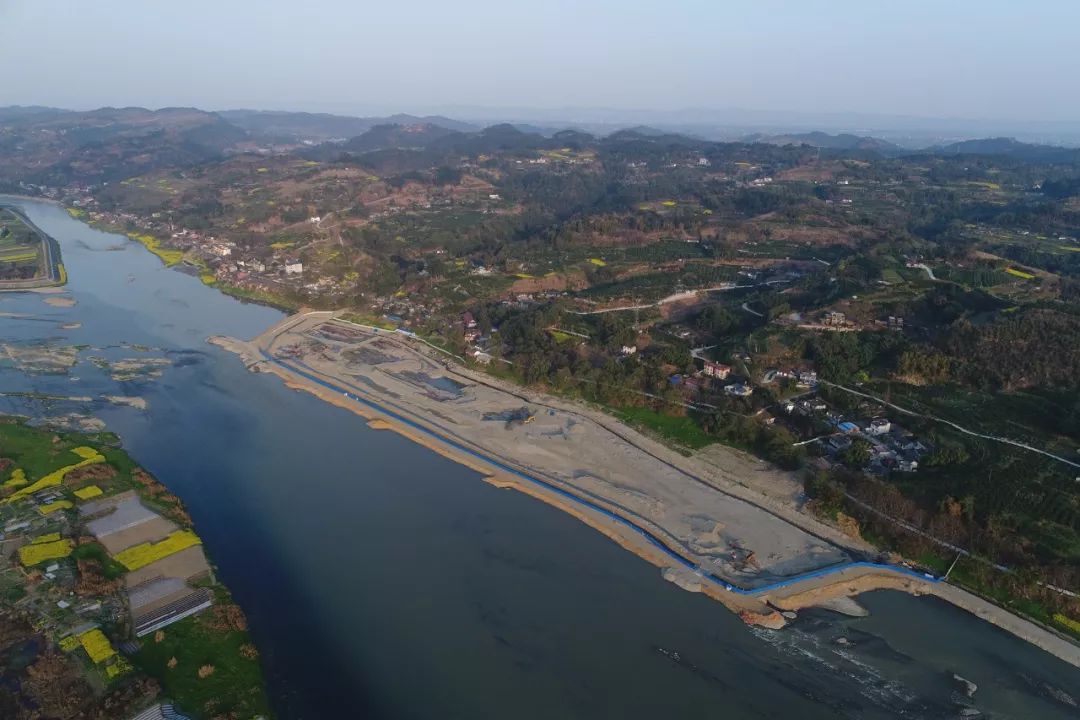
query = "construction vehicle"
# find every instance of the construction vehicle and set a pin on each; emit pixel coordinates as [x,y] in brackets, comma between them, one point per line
[521,416]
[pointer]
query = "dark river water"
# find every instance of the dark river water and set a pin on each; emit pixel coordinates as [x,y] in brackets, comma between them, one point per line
[384,581]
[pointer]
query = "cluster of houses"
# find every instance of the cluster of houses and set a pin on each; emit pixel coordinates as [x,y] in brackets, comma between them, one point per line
[832,318]
[891,447]
[714,374]
[276,273]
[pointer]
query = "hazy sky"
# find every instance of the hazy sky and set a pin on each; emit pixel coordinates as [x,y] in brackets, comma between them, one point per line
[1007,59]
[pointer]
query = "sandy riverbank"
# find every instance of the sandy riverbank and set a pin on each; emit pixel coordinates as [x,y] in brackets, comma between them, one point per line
[725,535]
[715,522]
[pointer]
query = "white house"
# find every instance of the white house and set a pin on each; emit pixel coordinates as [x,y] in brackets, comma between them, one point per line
[879,426]
[294,267]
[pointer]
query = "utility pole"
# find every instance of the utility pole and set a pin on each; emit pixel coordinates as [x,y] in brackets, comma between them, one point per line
[952,566]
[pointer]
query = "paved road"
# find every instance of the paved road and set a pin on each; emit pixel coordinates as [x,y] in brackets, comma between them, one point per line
[929,272]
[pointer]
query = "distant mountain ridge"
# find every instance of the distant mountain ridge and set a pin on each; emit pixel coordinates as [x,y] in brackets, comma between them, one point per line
[109,143]
[397,135]
[1000,146]
[1011,147]
[842,141]
[51,146]
[319,127]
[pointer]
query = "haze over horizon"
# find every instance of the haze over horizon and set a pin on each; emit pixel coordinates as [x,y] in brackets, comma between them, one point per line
[807,58]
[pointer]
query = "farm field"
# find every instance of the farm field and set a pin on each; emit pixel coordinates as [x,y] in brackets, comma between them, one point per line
[67,607]
[20,248]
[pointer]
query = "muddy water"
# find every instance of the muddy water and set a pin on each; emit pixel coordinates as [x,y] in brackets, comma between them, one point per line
[381,580]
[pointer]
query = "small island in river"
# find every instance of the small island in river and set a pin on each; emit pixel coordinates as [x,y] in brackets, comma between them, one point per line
[108,604]
[29,258]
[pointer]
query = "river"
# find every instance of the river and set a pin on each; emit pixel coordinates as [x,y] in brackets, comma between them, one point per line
[382,580]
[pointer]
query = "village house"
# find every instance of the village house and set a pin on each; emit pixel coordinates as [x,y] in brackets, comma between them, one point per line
[294,267]
[716,370]
[834,318]
[879,426]
[907,463]
[221,250]
[739,390]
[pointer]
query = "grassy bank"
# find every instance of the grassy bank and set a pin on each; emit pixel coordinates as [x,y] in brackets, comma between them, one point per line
[208,660]
[260,297]
[168,256]
[682,431]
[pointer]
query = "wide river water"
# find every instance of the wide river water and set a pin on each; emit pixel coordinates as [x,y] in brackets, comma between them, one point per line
[382,580]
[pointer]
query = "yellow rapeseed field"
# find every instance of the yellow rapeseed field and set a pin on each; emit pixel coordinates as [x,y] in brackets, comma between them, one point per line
[1019,273]
[89,456]
[143,554]
[17,479]
[1067,622]
[90,491]
[20,257]
[96,645]
[52,507]
[46,538]
[30,555]
[169,257]
[69,643]
[118,668]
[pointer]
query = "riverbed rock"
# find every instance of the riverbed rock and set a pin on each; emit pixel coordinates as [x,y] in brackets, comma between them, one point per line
[772,620]
[684,578]
[844,606]
[966,685]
